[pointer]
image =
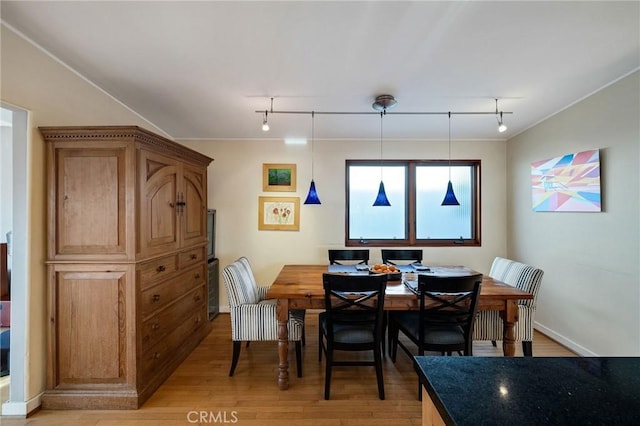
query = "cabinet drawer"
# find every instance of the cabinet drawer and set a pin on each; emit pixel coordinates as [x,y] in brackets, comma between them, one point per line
[159,296]
[167,319]
[165,350]
[191,257]
[157,269]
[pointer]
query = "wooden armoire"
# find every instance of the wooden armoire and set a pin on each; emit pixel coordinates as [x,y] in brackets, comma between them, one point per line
[126,263]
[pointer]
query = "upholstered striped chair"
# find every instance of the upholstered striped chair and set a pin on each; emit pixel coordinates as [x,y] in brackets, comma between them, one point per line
[253,318]
[489,325]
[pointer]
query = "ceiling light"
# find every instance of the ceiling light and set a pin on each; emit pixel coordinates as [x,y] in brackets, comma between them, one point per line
[312,196]
[265,124]
[450,197]
[501,126]
[384,102]
[381,198]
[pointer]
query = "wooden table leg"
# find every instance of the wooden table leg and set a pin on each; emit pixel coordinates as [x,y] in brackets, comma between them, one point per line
[282,309]
[509,319]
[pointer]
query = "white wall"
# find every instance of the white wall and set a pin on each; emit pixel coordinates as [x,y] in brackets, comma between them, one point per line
[590,294]
[235,183]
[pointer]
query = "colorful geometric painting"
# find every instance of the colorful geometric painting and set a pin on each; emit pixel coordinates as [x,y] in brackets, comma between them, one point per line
[570,183]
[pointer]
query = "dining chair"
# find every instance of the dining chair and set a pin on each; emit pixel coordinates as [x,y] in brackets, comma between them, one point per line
[359,255]
[389,256]
[253,318]
[489,325]
[445,320]
[352,322]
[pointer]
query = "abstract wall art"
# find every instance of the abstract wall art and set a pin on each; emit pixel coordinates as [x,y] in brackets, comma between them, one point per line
[570,183]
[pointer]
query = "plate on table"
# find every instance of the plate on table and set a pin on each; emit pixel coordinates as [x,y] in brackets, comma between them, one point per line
[393,273]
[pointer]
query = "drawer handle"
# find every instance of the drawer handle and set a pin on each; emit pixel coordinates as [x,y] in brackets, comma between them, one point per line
[156,355]
[197,276]
[155,326]
[194,256]
[155,297]
[161,268]
[198,319]
[196,298]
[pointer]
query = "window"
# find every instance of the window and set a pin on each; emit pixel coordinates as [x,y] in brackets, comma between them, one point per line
[415,189]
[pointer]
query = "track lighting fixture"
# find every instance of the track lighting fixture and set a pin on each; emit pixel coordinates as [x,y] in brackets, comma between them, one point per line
[383,103]
[501,126]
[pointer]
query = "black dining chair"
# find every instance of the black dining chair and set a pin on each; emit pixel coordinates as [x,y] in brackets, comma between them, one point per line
[445,320]
[390,256]
[361,256]
[352,322]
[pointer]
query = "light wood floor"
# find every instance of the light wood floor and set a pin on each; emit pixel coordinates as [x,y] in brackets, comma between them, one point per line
[201,386]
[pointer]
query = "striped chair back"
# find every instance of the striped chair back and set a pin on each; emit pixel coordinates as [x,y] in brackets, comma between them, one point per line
[519,275]
[240,282]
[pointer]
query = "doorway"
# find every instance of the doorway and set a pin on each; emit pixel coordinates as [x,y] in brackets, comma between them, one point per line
[14,232]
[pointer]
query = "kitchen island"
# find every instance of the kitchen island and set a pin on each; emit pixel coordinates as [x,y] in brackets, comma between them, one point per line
[529,391]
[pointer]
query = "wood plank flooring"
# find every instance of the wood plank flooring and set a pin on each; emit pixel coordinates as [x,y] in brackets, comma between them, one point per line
[201,392]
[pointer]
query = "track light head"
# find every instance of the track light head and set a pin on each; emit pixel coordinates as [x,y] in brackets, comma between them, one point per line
[501,126]
[265,124]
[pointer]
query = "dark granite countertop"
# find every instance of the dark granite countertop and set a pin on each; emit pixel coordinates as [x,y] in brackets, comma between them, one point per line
[533,391]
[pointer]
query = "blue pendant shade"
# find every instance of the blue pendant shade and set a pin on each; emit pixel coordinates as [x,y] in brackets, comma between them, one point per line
[381,199]
[312,196]
[450,198]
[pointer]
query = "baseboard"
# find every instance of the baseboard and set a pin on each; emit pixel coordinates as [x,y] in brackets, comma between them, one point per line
[22,409]
[564,341]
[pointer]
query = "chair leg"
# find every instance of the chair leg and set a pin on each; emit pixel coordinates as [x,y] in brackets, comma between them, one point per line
[248,343]
[304,336]
[319,343]
[493,342]
[236,354]
[327,374]
[299,358]
[377,356]
[527,348]
[393,342]
[385,322]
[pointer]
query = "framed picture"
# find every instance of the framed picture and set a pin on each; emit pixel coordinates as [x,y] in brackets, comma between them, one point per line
[569,183]
[279,213]
[279,177]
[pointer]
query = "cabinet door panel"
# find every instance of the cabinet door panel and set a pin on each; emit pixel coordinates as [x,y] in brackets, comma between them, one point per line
[90,191]
[194,214]
[90,327]
[158,219]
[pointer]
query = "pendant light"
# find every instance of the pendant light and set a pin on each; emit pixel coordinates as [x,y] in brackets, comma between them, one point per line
[450,198]
[381,199]
[312,196]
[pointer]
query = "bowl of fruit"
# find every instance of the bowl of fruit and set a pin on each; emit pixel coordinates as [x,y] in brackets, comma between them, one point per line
[393,273]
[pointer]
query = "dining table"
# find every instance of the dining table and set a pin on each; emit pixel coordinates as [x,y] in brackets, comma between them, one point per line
[299,287]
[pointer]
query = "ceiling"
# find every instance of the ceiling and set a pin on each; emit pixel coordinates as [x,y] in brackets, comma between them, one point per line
[201,69]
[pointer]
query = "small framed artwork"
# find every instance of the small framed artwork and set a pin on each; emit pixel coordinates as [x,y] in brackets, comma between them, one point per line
[279,213]
[279,177]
